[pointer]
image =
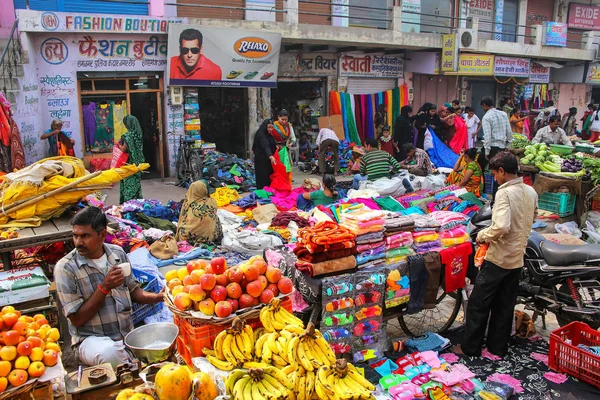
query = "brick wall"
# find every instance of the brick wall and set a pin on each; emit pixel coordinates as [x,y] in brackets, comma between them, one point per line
[204,12]
[324,9]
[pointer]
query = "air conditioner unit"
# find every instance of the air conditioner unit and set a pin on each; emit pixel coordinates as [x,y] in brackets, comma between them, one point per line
[467,39]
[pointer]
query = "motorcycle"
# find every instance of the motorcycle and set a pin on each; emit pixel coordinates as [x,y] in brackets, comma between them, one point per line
[562,279]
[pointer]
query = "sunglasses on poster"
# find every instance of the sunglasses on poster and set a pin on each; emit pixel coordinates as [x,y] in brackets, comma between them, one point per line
[185,50]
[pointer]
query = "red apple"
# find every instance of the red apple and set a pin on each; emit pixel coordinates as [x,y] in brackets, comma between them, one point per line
[251,272]
[234,290]
[219,265]
[197,293]
[208,281]
[222,280]
[219,293]
[261,264]
[266,296]
[209,269]
[263,282]
[223,309]
[235,305]
[273,288]
[246,301]
[273,274]
[207,307]
[285,285]
[235,275]
[254,288]
[255,301]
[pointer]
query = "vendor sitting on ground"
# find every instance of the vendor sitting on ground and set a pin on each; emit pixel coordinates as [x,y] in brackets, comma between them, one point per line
[467,173]
[328,195]
[552,133]
[198,221]
[375,164]
[417,161]
[95,295]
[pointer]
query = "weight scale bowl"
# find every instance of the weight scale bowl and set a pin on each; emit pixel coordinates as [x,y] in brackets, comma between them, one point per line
[152,343]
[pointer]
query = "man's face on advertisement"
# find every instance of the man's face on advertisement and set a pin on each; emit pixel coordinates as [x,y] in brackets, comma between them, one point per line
[190,51]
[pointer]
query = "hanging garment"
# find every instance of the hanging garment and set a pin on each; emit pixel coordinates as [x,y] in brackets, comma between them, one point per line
[418,282]
[433,265]
[456,261]
[119,112]
[103,138]
[89,123]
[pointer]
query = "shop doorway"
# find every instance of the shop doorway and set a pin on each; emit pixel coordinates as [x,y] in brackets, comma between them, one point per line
[479,89]
[305,101]
[223,118]
[105,101]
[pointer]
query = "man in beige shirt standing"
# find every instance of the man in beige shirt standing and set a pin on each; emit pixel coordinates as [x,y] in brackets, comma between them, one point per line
[495,292]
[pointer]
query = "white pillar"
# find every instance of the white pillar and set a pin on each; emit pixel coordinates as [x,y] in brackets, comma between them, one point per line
[396,24]
[291,15]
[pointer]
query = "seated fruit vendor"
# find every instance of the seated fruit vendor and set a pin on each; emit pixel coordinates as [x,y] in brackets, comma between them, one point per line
[375,164]
[552,133]
[417,161]
[95,296]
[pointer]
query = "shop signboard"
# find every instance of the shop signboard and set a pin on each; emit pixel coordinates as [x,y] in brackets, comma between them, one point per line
[40,21]
[422,62]
[539,74]
[133,53]
[584,16]
[476,64]
[449,53]
[308,64]
[220,57]
[371,66]
[593,75]
[555,34]
[511,66]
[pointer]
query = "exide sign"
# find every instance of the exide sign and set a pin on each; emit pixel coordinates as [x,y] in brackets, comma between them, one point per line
[583,16]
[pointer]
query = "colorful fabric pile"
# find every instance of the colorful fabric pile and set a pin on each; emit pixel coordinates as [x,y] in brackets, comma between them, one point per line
[227,169]
[324,249]
[365,223]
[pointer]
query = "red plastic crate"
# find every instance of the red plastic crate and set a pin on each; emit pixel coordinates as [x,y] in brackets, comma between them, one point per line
[197,337]
[568,358]
[184,352]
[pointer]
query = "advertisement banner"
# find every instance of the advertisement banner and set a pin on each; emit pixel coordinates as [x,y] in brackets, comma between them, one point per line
[499,19]
[206,56]
[449,53]
[539,74]
[584,16]
[371,66]
[476,64]
[593,75]
[510,66]
[555,34]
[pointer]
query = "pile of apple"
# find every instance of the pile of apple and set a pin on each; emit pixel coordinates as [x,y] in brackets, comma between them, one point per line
[214,289]
[27,346]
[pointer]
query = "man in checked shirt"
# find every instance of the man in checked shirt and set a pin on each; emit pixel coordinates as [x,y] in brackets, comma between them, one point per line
[94,293]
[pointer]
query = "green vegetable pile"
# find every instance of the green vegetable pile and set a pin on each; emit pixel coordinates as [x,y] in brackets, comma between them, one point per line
[519,141]
[539,156]
[592,165]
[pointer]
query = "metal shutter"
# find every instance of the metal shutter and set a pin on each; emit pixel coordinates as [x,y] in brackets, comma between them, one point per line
[127,7]
[538,11]
[369,86]
[437,89]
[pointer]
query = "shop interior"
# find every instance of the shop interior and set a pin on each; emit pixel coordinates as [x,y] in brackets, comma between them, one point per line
[223,117]
[106,101]
[305,102]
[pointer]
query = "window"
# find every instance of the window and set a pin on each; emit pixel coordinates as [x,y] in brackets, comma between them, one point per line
[370,13]
[110,84]
[434,16]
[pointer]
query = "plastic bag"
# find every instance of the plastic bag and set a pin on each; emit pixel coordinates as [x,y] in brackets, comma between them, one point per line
[480,254]
[118,158]
[569,228]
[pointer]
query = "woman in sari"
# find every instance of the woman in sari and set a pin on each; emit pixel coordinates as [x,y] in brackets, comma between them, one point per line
[60,143]
[132,143]
[460,140]
[427,117]
[447,116]
[285,138]
[467,173]
[516,121]
[198,221]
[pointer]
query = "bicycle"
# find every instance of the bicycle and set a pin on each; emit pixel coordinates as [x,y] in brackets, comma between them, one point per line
[189,160]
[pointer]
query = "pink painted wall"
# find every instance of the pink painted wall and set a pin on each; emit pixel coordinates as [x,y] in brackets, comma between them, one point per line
[156,8]
[7,17]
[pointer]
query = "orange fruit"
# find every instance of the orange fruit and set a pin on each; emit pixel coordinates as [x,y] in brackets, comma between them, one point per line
[5,368]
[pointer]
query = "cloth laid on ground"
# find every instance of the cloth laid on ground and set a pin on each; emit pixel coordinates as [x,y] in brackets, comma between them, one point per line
[449,219]
[249,241]
[401,239]
[389,204]
[429,341]
[394,220]
[265,214]
[426,247]
[400,252]
[326,267]
[224,196]
[147,222]
[284,218]
[251,200]
[221,168]
[229,220]
[425,221]
[439,154]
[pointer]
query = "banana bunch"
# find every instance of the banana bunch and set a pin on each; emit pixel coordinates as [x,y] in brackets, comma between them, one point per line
[303,381]
[274,317]
[342,382]
[232,347]
[271,349]
[267,383]
[310,350]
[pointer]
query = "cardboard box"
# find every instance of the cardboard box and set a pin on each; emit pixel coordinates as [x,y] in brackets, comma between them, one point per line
[335,123]
[23,284]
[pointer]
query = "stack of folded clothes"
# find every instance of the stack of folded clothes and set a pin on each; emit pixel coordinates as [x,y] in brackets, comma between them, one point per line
[324,249]
[369,227]
[452,227]
[426,235]
[398,246]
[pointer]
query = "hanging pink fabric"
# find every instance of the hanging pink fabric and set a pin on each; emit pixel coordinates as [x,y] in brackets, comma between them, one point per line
[461,136]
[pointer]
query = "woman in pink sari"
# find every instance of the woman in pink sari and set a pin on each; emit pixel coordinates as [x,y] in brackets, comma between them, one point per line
[460,141]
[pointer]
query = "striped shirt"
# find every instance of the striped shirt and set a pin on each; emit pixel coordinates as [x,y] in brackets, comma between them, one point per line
[378,164]
[77,278]
[497,131]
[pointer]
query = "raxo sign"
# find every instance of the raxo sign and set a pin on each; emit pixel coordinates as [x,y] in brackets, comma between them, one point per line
[252,47]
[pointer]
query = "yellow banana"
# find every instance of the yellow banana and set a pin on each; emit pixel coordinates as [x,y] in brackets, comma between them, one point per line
[206,351]
[267,354]
[352,385]
[258,346]
[220,364]
[254,364]
[303,359]
[354,374]
[325,348]
[273,384]
[301,388]
[218,345]
[263,390]
[289,369]
[280,376]
[310,384]
[246,393]
[249,331]
[257,333]
[279,362]
[292,350]
[289,317]
[245,345]
[233,377]
[271,342]
[227,351]
[255,393]
[299,330]
[235,350]
[322,394]
[277,325]
[321,382]
[281,351]
[266,319]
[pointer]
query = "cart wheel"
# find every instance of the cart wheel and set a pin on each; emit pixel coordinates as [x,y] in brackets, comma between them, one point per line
[195,166]
[437,319]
